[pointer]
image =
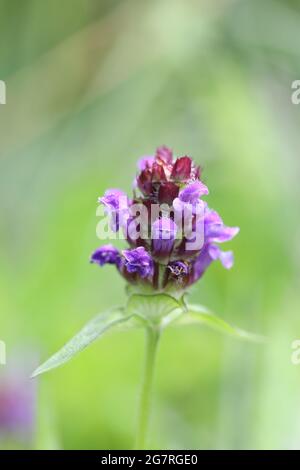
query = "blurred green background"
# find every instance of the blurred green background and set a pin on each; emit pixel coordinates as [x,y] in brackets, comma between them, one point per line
[91,86]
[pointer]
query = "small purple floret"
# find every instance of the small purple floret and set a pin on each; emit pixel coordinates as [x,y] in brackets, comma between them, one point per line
[178,268]
[193,192]
[106,254]
[189,198]
[164,232]
[138,261]
[116,204]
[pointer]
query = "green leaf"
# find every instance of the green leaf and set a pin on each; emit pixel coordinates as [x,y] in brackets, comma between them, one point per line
[198,314]
[89,333]
[153,307]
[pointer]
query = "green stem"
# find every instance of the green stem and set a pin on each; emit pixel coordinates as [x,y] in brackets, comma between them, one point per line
[152,337]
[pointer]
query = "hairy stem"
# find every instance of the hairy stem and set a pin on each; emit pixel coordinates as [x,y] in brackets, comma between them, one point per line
[152,337]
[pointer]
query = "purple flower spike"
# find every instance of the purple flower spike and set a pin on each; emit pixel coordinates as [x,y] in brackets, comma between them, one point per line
[184,236]
[116,204]
[164,232]
[138,261]
[106,254]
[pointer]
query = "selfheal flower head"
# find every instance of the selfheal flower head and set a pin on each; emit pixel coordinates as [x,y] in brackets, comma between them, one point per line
[173,245]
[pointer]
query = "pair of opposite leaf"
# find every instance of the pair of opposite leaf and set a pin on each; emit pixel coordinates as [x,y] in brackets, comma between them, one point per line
[160,311]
